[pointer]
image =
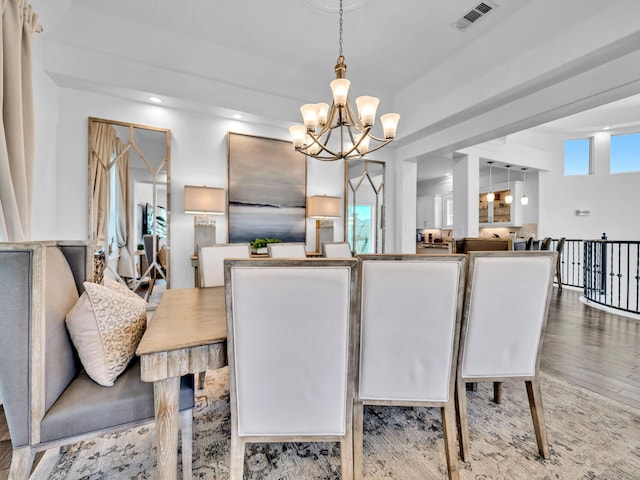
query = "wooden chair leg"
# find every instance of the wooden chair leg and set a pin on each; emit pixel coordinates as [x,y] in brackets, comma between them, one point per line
[448,413]
[559,273]
[346,453]
[463,420]
[497,392]
[186,435]
[537,415]
[21,463]
[47,462]
[236,464]
[358,440]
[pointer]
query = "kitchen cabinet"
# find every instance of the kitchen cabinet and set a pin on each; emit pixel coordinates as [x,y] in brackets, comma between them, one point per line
[498,213]
[429,211]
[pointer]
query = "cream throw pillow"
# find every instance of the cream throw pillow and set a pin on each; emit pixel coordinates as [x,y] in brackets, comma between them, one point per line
[105,327]
[118,287]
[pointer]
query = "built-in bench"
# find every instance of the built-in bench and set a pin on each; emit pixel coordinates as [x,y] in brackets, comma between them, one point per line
[49,400]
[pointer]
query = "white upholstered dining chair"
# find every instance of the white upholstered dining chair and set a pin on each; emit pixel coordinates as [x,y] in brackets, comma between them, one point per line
[336,250]
[286,250]
[291,325]
[211,270]
[211,261]
[410,324]
[506,308]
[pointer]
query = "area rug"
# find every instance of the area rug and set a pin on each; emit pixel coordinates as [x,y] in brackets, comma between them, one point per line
[590,437]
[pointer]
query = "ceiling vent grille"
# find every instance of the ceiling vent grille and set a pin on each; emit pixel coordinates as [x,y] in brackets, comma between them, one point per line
[475,14]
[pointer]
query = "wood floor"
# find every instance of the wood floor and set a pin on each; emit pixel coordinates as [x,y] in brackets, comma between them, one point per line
[585,346]
[593,349]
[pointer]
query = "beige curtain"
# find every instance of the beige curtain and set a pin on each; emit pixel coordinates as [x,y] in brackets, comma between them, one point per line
[123,207]
[102,139]
[19,23]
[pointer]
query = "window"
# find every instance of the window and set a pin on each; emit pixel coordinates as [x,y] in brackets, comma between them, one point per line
[577,157]
[363,228]
[625,153]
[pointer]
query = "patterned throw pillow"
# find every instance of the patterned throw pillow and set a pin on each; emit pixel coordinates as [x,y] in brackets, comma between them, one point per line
[106,326]
[118,287]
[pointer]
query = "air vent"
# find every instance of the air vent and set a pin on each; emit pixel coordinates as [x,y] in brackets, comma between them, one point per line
[475,14]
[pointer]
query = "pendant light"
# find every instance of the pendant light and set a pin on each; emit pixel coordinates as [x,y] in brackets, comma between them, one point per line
[524,200]
[490,196]
[509,198]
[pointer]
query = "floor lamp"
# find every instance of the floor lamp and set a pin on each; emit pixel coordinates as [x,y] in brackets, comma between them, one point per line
[323,207]
[205,203]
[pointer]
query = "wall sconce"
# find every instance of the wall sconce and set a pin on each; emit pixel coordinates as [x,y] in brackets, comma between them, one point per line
[323,207]
[204,203]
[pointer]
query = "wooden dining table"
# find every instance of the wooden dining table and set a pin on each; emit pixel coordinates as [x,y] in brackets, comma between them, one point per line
[186,335]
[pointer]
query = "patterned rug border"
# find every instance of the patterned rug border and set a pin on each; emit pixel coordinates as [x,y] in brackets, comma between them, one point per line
[591,437]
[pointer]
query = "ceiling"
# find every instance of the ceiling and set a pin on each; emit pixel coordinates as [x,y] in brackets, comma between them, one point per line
[621,116]
[263,59]
[261,44]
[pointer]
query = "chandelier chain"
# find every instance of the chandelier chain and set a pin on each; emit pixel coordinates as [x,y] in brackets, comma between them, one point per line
[340,30]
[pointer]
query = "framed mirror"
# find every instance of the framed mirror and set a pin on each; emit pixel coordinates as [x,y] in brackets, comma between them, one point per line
[129,199]
[364,225]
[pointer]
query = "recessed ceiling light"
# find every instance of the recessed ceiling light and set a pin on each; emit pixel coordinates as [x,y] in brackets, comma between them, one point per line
[155,100]
[237,116]
[606,128]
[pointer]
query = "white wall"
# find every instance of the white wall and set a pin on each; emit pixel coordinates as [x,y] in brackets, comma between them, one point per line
[198,157]
[611,199]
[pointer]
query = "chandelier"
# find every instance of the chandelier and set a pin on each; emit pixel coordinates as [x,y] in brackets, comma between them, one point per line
[351,134]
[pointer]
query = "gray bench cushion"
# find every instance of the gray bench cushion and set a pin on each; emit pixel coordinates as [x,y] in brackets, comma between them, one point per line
[61,294]
[86,406]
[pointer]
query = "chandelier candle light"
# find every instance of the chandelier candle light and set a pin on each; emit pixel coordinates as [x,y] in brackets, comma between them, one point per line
[320,121]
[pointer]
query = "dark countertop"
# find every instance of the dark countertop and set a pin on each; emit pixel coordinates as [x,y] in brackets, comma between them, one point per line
[433,245]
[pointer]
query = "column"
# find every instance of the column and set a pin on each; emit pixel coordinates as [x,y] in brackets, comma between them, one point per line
[466,188]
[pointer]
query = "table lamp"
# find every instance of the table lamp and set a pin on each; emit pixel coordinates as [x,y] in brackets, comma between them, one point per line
[323,207]
[204,203]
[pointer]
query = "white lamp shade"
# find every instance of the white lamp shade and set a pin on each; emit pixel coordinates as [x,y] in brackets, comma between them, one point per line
[364,144]
[524,200]
[322,206]
[508,198]
[311,147]
[390,124]
[204,200]
[310,116]
[323,111]
[340,89]
[491,197]
[367,107]
[298,135]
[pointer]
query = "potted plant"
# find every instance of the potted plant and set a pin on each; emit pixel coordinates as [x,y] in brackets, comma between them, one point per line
[259,245]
